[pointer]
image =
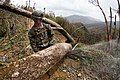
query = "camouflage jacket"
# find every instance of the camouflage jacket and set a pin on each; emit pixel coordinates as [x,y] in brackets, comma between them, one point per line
[41,38]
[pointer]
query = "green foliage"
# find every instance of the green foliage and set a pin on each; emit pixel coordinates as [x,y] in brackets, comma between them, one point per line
[50,17]
[3,28]
[77,55]
[62,21]
[76,30]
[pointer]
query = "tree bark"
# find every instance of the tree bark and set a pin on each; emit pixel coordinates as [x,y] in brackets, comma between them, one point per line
[110,31]
[119,20]
[106,22]
[114,31]
[96,3]
[35,65]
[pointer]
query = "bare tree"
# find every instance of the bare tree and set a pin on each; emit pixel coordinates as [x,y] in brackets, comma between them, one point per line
[7,2]
[96,3]
[118,11]
[26,4]
[44,10]
[114,31]
[34,6]
[29,4]
[110,31]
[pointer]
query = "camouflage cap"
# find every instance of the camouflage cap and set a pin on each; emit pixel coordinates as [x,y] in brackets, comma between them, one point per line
[37,14]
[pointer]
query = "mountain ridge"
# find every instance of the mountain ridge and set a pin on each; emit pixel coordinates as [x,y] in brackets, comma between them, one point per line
[83,19]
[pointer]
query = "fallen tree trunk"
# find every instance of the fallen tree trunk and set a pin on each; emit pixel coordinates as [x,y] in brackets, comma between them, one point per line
[35,65]
[28,14]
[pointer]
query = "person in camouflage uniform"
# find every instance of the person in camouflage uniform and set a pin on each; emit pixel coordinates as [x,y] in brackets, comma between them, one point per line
[41,34]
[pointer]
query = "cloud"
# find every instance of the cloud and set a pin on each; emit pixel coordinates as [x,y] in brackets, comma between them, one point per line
[69,7]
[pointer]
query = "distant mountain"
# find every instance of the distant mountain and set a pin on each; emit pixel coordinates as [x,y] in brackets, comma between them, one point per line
[89,22]
[83,19]
[100,24]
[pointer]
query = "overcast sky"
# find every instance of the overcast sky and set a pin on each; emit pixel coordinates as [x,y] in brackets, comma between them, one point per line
[72,7]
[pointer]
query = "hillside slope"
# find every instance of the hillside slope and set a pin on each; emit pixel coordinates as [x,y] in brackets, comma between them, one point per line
[87,63]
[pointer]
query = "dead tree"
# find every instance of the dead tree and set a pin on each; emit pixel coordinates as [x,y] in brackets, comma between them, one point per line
[114,31]
[34,6]
[26,7]
[110,30]
[44,10]
[36,65]
[96,3]
[6,2]
[119,19]
[29,4]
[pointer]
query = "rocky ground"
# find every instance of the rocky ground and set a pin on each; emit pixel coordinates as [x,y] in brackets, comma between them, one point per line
[93,62]
[88,63]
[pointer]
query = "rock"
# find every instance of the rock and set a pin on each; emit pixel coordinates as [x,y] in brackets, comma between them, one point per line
[16,74]
[79,75]
[68,76]
[64,70]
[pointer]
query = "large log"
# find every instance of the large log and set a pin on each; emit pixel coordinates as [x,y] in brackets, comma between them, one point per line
[28,14]
[35,65]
